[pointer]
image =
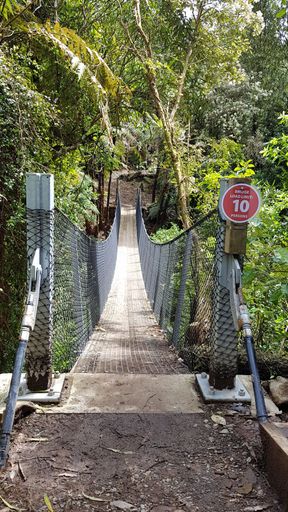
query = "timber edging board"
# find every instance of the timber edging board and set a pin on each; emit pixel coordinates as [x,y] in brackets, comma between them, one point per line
[275,444]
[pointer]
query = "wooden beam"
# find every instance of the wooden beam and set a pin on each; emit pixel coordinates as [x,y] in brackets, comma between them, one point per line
[275,444]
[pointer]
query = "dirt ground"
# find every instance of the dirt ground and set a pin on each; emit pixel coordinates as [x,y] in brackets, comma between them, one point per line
[129,182]
[140,462]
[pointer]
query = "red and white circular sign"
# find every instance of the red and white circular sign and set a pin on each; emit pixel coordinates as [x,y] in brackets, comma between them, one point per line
[240,202]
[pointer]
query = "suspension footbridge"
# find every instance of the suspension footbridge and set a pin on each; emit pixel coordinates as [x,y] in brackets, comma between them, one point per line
[127,338]
[127,362]
[105,312]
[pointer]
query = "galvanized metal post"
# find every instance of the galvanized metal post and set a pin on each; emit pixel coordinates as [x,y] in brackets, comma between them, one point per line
[167,302]
[157,265]
[181,294]
[40,233]
[224,338]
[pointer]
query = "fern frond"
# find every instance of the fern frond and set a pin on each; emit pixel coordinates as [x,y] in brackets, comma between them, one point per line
[92,71]
[83,59]
[86,63]
[76,63]
[8,8]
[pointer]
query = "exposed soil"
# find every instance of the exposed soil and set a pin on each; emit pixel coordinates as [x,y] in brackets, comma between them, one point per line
[155,462]
[129,183]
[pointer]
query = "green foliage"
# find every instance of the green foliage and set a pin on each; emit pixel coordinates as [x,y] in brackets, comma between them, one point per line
[44,73]
[233,109]
[142,140]
[85,61]
[223,159]
[74,191]
[163,235]
[245,169]
[276,151]
[283,11]
[266,271]
[48,504]
[25,117]
[223,156]
[8,9]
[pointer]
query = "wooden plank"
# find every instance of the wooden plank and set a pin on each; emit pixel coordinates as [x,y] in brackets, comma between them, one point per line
[275,444]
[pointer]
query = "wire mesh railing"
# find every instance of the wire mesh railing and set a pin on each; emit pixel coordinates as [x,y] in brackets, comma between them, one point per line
[83,273]
[178,277]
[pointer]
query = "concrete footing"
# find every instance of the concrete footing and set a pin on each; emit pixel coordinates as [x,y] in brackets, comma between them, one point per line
[51,395]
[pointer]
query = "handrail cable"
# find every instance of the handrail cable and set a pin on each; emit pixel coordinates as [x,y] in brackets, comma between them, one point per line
[245,325]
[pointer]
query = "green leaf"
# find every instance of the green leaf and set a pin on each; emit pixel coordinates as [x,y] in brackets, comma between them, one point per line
[281,13]
[281,255]
[48,503]
[276,295]
[249,275]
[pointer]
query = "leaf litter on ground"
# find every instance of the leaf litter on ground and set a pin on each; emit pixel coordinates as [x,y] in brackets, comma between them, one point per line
[93,498]
[11,507]
[114,450]
[123,505]
[219,420]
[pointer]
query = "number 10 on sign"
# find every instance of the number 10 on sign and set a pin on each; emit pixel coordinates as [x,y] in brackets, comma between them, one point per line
[240,203]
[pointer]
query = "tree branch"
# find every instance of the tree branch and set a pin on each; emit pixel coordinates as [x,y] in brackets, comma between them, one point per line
[146,57]
[140,29]
[127,31]
[186,63]
[181,84]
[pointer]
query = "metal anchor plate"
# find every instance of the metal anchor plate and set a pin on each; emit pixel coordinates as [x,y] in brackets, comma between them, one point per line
[237,394]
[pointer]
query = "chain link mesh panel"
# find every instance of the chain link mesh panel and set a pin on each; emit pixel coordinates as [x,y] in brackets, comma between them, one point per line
[83,273]
[178,277]
[224,337]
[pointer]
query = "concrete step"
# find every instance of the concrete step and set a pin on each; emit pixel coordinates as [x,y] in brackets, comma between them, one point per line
[129,393]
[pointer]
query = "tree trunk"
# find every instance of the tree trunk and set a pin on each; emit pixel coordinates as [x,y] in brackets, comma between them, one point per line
[147,60]
[101,198]
[171,147]
[155,184]
[108,197]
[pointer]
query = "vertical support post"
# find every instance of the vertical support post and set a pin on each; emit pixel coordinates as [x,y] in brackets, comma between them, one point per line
[157,265]
[181,295]
[163,283]
[40,234]
[166,303]
[224,338]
